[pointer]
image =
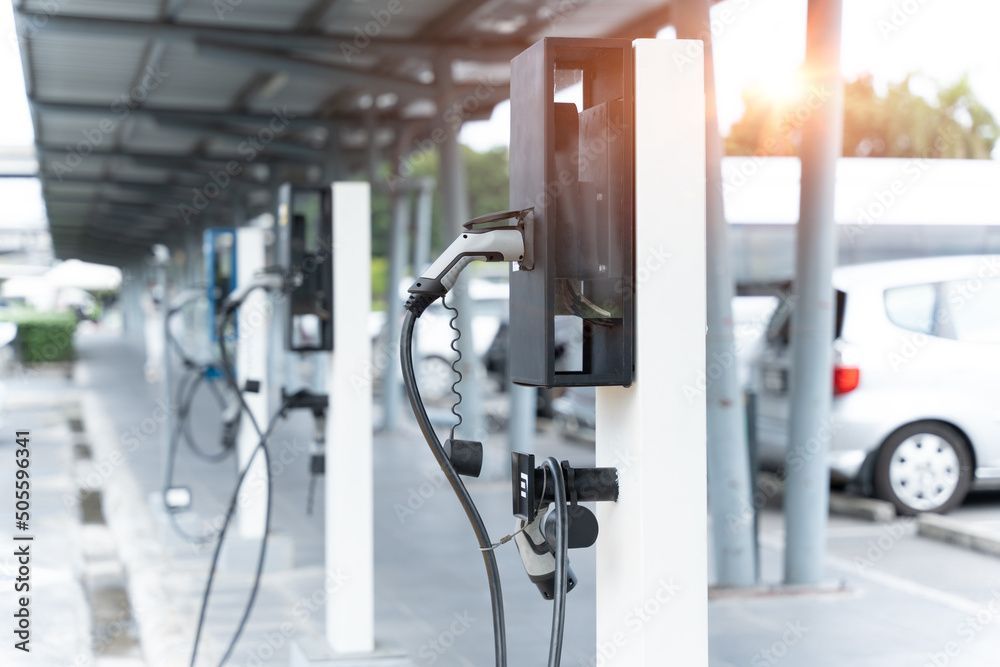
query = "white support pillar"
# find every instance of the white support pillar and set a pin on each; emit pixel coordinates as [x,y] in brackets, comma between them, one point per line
[252,364]
[652,554]
[350,588]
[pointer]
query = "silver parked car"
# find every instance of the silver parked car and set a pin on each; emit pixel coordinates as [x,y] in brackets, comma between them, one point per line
[916,381]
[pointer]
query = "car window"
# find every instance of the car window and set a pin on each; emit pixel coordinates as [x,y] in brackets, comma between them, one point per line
[973,310]
[912,307]
[779,329]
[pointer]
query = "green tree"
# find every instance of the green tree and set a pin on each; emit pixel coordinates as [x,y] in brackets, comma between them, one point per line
[486,180]
[898,123]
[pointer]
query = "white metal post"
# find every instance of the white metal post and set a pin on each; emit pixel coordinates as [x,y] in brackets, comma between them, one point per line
[652,555]
[350,606]
[252,364]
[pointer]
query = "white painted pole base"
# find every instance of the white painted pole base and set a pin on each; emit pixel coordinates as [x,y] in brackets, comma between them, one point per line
[252,364]
[349,581]
[652,569]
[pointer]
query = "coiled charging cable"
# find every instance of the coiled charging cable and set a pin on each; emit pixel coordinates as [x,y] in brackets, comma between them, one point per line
[457,485]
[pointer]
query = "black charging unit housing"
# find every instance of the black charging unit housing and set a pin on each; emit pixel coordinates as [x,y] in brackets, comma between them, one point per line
[571,161]
[305,251]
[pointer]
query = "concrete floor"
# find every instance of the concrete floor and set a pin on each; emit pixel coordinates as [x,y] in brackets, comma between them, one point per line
[907,600]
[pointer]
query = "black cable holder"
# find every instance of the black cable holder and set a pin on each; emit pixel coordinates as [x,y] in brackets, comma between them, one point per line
[530,493]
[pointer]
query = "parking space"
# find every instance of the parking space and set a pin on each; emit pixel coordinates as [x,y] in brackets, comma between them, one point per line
[892,598]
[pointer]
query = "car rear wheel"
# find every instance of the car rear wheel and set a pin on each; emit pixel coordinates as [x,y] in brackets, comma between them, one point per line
[924,467]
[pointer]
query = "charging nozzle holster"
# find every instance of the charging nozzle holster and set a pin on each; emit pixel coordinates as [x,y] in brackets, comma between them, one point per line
[534,504]
[466,456]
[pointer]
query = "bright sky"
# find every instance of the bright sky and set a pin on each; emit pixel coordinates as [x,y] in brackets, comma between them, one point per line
[15,123]
[762,43]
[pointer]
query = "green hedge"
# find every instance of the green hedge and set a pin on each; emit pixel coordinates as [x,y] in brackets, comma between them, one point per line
[43,337]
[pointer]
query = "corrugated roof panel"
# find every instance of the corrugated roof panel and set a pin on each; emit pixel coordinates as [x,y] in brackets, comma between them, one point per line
[147,136]
[81,133]
[79,68]
[268,14]
[99,67]
[193,81]
[378,18]
[300,94]
[132,9]
[70,165]
[594,18]
[127,169]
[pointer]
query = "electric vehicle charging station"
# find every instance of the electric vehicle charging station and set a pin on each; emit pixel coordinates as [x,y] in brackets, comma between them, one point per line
[304,241]
[349,514]
[199,369]
[606,231]
[304,230]
[219,251]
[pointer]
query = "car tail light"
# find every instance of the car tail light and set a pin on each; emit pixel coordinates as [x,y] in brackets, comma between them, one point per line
[845,379]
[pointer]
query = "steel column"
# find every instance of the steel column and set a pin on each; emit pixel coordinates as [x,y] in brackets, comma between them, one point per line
[455,198]
[807,488]
[729,493]
[391,379]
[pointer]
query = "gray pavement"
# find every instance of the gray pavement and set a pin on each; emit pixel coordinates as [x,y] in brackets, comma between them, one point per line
[905,601]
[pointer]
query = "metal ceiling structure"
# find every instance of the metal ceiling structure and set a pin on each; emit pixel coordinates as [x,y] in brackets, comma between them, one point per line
[154,118]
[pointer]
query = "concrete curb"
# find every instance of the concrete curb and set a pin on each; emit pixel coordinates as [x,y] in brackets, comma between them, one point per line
[957,533]
[717,593]
[163,640]
[771,487]
[859,507]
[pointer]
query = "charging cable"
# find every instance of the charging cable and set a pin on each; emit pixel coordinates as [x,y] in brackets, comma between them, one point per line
[196,375]
[265,282]
[457,485]
[552,466]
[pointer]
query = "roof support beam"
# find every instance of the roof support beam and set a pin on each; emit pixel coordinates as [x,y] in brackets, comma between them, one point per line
[314,14]
[452,18]
[279,115]
[646,25]
[192,164]
[481,51]
[348,76]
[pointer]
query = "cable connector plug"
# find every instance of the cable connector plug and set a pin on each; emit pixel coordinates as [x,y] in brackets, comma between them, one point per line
[418,303]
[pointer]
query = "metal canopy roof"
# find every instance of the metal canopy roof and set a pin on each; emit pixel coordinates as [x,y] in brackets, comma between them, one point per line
[137,103]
